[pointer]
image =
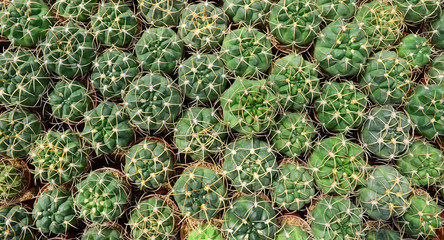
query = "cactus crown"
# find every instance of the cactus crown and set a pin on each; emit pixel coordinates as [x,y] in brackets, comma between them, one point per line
[417,12]
[333,10]
[12,179]
[16,223]
[204,231]
[76,10]
[247,12]
[162,13]
[416,50]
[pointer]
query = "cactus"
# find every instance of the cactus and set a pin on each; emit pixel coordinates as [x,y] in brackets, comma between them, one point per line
[161,13]
[203,26]
[293,186]
[59,157]
[247,52]
[437,32]
[385,193]
[425,107]
[202,77]
[376,230]
[247,12]
[293,228]
[159,50]
[386,132]
[102,196]
[153,218]
[107,128]
[69,100]
[342,49]
[417,12]
[113,71]
[435,73]
[250,217]
[14,178]
[114,24]
[16,223]
[250,164]
[149,164]
[387,78]
[341,106]
[18,131]
[24,80]
[200,133]
[249,106]
[204,232]
[416,50]
[103,232]
[25,22]
[153,102]
[295,81]
[77,10]
[54,211]
[334,10]
[69,50]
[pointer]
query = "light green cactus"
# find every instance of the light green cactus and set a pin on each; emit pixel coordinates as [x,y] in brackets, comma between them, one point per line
[16,223]
[14,180]
[247,12]
[161,13]
[333,10]
[435,72]
[293,227]
[76,10]
[378,230]
[416,50]
[417,12]
[204,231]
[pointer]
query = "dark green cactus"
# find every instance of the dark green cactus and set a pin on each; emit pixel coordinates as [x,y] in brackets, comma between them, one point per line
[16,223]
[103,232]
[77,10]
[14,179]
[204,232]
[435,73]
[437,33]
[247,12]
[333,10]
[416,50]
[162,13]
[416,12]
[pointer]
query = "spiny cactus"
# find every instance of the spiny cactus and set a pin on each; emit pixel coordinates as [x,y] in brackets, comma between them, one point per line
[385,193]
[295,81]
[249,106]
[250,164]
[102,196]
[203,26]
[16,223]
[24,80]
[103,232]
[416,50]
[333,10]
[342,49]
[149,164]
[115,24]
[247,12]
[386,132]
[437,33]
[25,22]
[162,13]
[204,231]
[377,230]
[77,10]
[387,78]
[153,102]
[202,77]
[293,228]
[200,133]
[247,52]
[416,12]
[435,73]
[68,50]
[341,106]
[14,179]
[59,157]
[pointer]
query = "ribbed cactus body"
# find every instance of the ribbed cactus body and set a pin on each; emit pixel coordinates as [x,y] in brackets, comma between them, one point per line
[16,223]
[437,33]
[13,180]
[333,10]
[417,12]
[77,10]
[247,12]
[435,73]
[162,13]
[416,50]
[103,232]
[204,232]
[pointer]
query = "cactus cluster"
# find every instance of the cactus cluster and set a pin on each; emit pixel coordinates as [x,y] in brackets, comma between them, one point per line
[16,223]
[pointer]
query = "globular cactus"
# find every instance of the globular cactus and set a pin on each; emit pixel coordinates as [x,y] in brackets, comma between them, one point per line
[102,196]
[416,50]
[247,12]
[24,80]
[159,50]
[387,78]
[247,52]
[385,193]
[161,13]
[435,73]
[342,49]
[16,223]
[204,231]
[293,227]
[424,107]
[250,217]
[334,10]
[203,77]
[107,128]
[69,50]
[14,180]
[59,157]
[249,106]
[149,164]
[76,10]
[113,71]
[25,22]
[295,81]
[377,230]
[417,12]
[18,131]
[436,33]
[115,24]
[386,132]
[250,164]
[103,232]
[341,106]
[153,102]
[200,133]
[203,26]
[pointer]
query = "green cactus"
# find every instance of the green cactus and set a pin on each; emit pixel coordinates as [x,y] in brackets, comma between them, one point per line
[415,49]
[18,131]
[13,179]
[16,223]
[435,73]
[250,164]
[295,81]
[342,49]
[103,232]
[23,81]
[249,106]
[204,232]
[25,22]
[250,217]
[203,77]
[385,193]
[376,230]
[161,13]
[54,211]
[387,78]
[77,10]
[203,26]
[102,196]
[386,132]
[341,106]
[333,10]
[437,32]
[153,102]
[69,50]
[293,228]
[149,164]
[417,12]
[247,12]
[247,52]
[200,133]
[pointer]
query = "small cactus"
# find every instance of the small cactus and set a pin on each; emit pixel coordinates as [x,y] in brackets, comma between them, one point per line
[293,228]
[417,12]
[247,12]
[76,10]
[416,50]
[204,231]
[103,232]
[334,10]
[437,33]
[435,73]
[162,13]
[16,223]
[14,180]
[377,230]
